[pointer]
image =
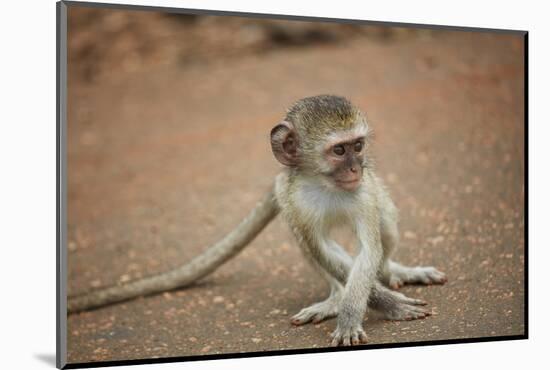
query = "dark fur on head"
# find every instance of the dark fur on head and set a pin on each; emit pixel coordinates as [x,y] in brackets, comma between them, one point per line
[318,114]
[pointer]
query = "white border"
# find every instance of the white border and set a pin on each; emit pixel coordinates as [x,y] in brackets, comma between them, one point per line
[27,162]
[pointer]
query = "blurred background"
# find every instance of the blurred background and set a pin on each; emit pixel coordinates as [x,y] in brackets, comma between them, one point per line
[168,149]
[137,40]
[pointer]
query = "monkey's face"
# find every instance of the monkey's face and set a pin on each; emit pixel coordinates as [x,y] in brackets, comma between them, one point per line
[344,161]
[337,155]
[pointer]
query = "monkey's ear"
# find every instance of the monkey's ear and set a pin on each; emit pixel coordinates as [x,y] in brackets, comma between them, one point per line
[284,143]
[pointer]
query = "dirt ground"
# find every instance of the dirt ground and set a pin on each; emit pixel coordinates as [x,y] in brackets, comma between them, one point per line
[167,156]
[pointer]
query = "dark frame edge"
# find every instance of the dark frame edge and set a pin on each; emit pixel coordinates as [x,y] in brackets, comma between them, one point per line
[526,180]
[61,235]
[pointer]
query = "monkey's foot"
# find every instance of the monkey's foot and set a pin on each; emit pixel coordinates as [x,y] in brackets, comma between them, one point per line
[401,275]
[347,335]
[397,306]
[406,308]
[317,312]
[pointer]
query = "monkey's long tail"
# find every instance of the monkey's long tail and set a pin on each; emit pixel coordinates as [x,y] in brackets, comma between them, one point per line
[181,276]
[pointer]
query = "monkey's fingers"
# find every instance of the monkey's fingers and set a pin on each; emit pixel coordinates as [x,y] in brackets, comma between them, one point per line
[317,312]
[438,277]
[416,313]
[406,312]
[426,275]
[410,301]
[348,336]
[358,338]
[396,283]
[413,301]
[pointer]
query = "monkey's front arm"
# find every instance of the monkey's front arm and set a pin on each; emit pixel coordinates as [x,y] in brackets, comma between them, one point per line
[358,288]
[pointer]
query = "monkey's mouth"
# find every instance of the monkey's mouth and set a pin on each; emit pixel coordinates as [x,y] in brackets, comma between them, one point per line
[348,185]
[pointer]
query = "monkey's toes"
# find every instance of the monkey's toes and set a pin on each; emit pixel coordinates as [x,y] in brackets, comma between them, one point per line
[396,283]
[314,319]
[407,312]
[404,300]
[314,314]
[426,275]
[412,301]
[297,321]
[417,316]
[348,337]
[433,276]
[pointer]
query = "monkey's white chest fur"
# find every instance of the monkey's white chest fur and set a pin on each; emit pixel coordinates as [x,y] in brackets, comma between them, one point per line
[327,207]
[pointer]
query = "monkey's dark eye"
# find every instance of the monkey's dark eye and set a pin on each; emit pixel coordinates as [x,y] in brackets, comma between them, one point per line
[339,150]
[358,146]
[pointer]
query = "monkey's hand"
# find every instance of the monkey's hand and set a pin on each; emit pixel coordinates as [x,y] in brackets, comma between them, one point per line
[349,331]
